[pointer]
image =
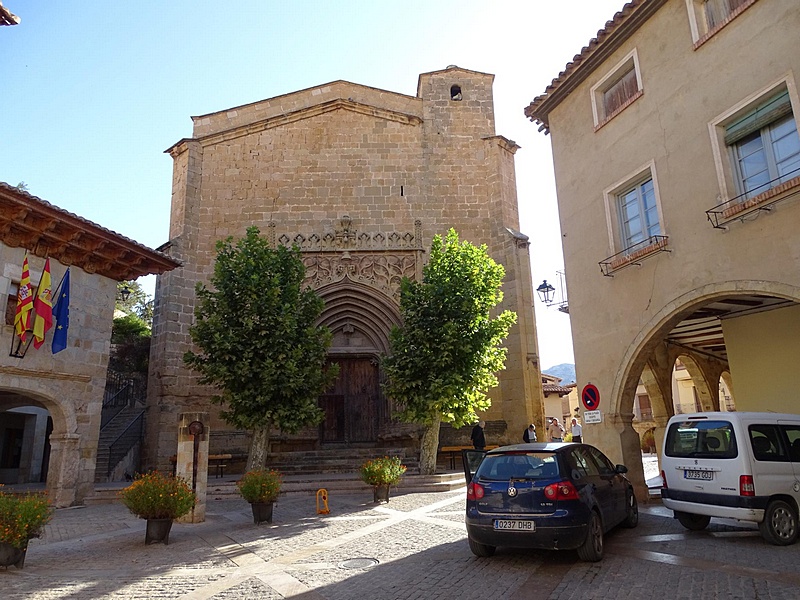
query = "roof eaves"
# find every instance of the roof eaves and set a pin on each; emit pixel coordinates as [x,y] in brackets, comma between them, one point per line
[612,36]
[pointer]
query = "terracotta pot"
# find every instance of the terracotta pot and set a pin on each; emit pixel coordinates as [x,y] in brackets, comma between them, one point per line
[158,531]
[262,512]
[11,555]
[380,493]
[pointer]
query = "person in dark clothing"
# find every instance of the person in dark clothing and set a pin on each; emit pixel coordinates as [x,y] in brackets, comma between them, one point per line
[477,437]
[530,434]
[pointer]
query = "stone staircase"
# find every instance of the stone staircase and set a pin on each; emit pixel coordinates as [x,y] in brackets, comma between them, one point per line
[108,435]
[344,460]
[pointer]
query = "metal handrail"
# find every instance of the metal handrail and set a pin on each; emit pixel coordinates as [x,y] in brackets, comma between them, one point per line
[126,440]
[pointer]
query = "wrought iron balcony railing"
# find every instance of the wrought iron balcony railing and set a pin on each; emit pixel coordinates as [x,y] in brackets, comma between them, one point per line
[634,255]
[748,203]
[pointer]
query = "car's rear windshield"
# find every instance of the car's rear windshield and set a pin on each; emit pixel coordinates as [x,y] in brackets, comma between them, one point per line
[518,465]
[701,439]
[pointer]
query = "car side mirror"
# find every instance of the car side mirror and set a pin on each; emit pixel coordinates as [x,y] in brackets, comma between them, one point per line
[621,469]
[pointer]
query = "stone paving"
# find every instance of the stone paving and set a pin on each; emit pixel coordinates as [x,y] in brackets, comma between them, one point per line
[413,548]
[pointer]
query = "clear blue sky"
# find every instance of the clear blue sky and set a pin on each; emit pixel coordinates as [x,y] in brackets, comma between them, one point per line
[94,92]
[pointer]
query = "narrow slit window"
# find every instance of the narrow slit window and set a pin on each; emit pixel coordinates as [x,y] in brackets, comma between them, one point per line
[455,93]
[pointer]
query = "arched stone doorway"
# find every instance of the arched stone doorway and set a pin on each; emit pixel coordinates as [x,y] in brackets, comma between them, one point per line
[47,434]
[693,328]
[360,317]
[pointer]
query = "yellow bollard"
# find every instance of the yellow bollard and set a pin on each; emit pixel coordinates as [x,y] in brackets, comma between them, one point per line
[322,497]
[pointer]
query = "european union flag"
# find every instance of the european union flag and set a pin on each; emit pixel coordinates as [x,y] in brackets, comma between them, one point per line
[61,316]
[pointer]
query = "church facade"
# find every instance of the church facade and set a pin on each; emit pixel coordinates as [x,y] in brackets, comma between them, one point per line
[361,179]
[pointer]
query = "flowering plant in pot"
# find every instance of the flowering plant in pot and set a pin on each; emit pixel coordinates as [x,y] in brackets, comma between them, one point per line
[159,499]
[260,487]
[381,473]
[22,517]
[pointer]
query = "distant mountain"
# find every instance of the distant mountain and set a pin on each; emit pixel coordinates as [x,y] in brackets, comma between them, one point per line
[566,371]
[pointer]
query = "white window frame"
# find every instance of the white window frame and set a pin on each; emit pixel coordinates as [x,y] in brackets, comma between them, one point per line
[616,237]
[698,23]
[598,90]
[724,160]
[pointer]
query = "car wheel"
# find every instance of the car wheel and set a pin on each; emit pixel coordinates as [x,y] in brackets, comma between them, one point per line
[632,511]
[779,526]
[693,522]
[592,548]
[481,550]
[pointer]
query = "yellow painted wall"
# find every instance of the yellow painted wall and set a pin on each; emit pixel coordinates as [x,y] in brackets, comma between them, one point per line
[764,354]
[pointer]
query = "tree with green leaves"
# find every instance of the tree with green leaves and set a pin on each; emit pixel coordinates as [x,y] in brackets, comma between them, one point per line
[258,342]
[445,355]
[133,300]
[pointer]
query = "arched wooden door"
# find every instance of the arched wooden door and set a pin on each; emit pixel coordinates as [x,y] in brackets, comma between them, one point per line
[352,406]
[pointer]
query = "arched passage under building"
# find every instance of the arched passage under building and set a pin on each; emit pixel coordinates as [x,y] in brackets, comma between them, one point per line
[745,334]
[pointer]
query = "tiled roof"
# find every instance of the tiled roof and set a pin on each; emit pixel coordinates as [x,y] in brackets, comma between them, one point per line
[7,17]
[549,388]
[617,30]
[44,229]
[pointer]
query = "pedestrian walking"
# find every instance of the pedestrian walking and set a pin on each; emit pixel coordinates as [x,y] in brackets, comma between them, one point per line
[555,431]
[577,431]
[478,438]
[529,435]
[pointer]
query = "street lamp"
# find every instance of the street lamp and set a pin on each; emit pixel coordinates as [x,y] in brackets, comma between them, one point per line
[545,291]
[125,293]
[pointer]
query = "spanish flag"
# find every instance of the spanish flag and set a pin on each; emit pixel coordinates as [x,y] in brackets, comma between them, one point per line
[43,305]
[22,315]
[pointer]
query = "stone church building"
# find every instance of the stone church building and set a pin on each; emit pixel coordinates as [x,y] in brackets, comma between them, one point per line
[361,179]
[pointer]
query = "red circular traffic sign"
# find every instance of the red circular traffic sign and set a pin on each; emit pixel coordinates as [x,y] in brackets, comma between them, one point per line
[590,396]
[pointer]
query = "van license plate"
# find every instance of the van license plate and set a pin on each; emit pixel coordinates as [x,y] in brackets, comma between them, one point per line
[514,525]
[705,475]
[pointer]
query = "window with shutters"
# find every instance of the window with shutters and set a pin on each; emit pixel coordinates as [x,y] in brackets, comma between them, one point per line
[764,146]
[707,17]
[617,90]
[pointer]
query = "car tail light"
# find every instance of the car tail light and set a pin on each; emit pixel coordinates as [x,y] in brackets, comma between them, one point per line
[746,485]
[474,491]
[664,480]
[563,490]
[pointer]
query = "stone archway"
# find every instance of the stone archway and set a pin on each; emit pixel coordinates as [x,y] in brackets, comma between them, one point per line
[651,355]
[360,318]
[63,452]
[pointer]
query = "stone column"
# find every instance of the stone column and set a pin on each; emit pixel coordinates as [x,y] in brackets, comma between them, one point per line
[192,460]
[632,455]
[62,474]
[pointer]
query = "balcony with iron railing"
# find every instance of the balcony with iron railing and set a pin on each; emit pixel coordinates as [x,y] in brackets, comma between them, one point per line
[759,199]
[634,255]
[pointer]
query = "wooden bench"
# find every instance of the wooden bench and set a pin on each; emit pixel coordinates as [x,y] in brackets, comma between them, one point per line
[217,461]
[451,452]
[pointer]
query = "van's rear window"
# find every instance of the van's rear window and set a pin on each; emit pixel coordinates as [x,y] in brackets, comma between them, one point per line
[701,439]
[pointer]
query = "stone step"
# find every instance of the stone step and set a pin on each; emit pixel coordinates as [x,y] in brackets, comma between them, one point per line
[296,485]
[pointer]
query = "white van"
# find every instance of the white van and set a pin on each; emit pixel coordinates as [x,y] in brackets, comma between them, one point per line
[738,465]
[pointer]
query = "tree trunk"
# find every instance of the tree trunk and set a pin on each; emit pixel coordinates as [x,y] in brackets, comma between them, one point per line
[259,448]
[429,447]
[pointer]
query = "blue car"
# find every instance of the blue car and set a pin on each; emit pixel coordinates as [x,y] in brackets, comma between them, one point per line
[556,496]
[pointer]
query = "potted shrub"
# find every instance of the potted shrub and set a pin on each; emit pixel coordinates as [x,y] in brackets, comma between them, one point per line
[260,487]
[159,499]
[22,517]
[381,473]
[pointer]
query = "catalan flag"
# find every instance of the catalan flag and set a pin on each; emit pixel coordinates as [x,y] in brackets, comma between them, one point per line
[22,315]
[61,313]
[43,305]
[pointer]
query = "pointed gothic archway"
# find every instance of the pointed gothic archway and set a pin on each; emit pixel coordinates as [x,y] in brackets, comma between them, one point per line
[360,317]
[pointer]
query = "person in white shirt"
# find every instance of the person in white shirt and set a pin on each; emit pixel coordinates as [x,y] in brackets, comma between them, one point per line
[577,431]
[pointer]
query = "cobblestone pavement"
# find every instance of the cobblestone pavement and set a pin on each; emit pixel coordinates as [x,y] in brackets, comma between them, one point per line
[413,548]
